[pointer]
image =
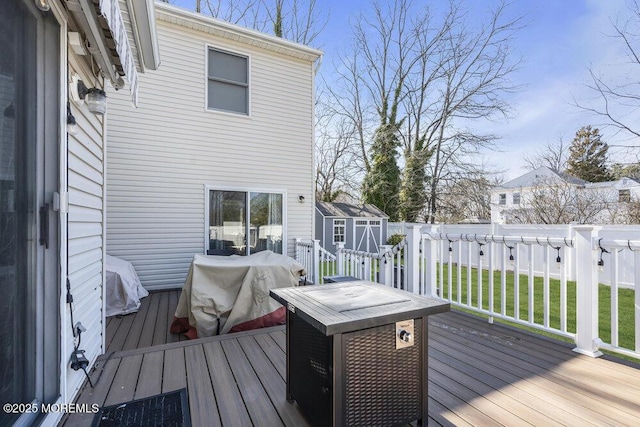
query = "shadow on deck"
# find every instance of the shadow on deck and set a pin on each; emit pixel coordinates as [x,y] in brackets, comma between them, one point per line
[479,374]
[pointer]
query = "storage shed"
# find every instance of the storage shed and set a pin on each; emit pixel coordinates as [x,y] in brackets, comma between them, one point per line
[360,227]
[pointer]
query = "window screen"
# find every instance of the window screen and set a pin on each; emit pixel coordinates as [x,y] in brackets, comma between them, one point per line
[228,84]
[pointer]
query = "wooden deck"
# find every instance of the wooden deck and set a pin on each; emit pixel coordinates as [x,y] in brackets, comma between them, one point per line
[479,374]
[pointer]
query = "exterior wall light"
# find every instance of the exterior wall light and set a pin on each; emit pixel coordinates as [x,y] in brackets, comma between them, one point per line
[72,126]
[96,99]
[43,5]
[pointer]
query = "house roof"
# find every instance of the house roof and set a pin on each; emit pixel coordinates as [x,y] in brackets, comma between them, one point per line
[220,28]
[532,178]
[349,210]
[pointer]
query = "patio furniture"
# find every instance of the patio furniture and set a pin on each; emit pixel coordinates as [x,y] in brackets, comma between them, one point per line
[357,352]
[231,293]
[123,289]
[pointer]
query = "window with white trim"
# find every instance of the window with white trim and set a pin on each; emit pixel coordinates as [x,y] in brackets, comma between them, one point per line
[516,198]
[502,199]
[338,230]
[244,222]
[228,82]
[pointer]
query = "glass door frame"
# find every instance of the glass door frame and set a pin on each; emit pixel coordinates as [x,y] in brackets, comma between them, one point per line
[247,191]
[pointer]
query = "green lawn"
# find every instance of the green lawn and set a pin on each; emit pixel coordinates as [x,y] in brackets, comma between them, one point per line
[625,301]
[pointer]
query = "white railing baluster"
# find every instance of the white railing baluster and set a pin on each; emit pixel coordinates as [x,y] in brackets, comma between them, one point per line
[490,250]
[503,282]
[479,280]
[531,285]
[545,290]
[516,283]
[563,295]
[614,298]
[459,271]
[469,279]
[450,274]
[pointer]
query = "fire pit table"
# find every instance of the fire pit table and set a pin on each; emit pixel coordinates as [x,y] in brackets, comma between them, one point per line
[357,352]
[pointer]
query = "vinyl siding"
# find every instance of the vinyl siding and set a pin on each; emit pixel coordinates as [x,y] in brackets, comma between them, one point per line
[163,154]
[85,231]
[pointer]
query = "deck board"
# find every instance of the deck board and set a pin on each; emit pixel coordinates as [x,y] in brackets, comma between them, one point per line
[230,404]
[479,374]
[258,405]
[202,402]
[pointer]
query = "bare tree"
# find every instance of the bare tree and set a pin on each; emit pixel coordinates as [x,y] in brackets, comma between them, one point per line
[300,21]
[338,170]
[432,78]
[552,155]
[618,94]
[467,198]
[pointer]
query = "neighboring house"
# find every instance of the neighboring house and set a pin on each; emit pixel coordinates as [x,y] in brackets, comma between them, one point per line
[218,156]
[359,227]
[52,157]
[516,195]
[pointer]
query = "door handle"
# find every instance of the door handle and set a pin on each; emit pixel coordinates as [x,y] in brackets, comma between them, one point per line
[44,225]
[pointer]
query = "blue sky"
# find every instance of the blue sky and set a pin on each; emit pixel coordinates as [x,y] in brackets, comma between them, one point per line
[560,40]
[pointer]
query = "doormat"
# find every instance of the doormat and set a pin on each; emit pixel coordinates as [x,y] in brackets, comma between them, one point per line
[163,410]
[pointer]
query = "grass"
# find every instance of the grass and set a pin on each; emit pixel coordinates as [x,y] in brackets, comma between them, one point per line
[626,315]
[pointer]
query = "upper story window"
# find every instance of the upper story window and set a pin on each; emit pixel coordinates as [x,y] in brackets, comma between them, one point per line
[624,196]
[516,198]
[338,230]
[502,199]
[228,82]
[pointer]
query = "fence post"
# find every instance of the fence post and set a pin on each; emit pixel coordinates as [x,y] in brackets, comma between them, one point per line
[386,266]
[586,293]
[412,259]
[297,248]
[431,258]
[315,262]
[340,258]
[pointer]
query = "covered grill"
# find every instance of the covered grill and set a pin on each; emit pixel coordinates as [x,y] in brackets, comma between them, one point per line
[357,352]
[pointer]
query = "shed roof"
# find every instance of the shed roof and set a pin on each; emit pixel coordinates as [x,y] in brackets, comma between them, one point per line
[349,210]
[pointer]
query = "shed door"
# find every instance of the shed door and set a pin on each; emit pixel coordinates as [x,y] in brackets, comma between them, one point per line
[368,235]
[29,176]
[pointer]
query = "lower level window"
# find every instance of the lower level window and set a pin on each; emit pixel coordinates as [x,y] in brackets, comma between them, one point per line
[245,222]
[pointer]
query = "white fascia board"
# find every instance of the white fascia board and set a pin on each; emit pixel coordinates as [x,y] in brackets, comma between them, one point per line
[144,21]
[207,24]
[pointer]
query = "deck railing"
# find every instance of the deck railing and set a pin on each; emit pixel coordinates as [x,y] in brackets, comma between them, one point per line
[575,282]
[317,261]
[525,279]
[386,267]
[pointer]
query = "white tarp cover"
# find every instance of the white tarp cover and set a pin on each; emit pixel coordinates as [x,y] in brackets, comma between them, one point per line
[231,293]
[124,289]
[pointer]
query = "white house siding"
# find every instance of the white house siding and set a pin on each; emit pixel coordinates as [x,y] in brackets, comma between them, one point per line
[85,230]
[162,154]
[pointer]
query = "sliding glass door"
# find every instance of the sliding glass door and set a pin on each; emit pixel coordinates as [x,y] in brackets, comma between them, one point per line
[29,263]
[244,222]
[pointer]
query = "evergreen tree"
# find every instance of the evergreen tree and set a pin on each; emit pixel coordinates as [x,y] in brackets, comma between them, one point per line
[588,156]
[413,196]
[381,184]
